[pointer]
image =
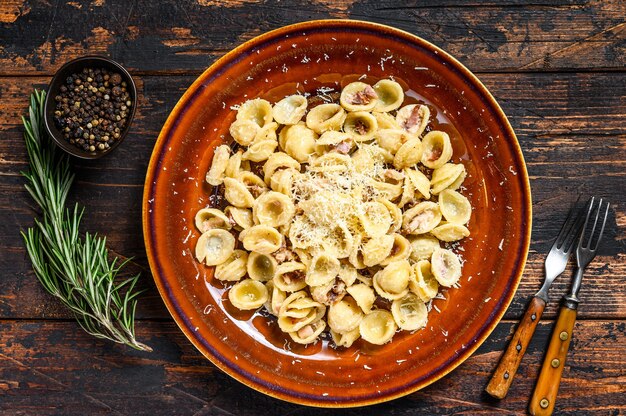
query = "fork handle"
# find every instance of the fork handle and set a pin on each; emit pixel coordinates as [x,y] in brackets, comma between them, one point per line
[544,397]
[502,377]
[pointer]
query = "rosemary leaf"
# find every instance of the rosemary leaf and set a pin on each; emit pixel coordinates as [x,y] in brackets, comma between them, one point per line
[75,270]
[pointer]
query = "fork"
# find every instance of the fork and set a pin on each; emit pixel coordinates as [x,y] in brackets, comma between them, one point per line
[544,397]
[555,264]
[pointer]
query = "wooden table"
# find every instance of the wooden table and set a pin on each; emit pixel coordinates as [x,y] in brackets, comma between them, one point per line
[557,69]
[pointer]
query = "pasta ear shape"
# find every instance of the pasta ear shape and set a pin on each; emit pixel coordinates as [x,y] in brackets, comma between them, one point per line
[409,312]
[322,270]
[248,294]
[422,218]
[273,209]
[261,238]
[215,175]
[282,181]
[446,267]
[449,176]
[386,121]
[361,125]
[377,327]
[454,207]
[377,249]
[329,293]
[420,182]
[363,295]
[298,141]
[234,268]
[424,283]
[208,218]
[308,333]
[334,141]
[290,276]
[392,282]
[261,267]
[344,316]
[215,247]
[260,151]
[395,212]
[450,232]
[339,241]
[237,194]
[325,117]
[290,110]
[408,154]
[276,298]
[391,139]
[240,217]
[400,250]
[437,149]
[345,339]
[422,247]
[278,161]
[258,111]
[358,96]
[375,219]
[299,310]
[244,131]
[390,95]
[413,118]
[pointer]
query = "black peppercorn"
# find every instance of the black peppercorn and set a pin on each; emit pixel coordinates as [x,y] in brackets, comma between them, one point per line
[90,113]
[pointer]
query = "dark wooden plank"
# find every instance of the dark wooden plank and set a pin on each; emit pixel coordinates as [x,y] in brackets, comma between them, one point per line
[572,141]
[182,36]
[53,368]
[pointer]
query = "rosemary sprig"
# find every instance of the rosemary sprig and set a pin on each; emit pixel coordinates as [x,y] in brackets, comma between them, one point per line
[75,270]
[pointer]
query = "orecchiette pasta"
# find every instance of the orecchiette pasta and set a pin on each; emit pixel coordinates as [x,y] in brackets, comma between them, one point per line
[326,117]
[392,282]
[445,266]
[290,110]
[424,284]
[261,238]
[390,95]
[209,218]
[215,175]
[248,294]
[261,267]
[449,176]
[234,268]
[409,312]
[215,247]
[437,149]
[333,215]
[377,327]
[413,118]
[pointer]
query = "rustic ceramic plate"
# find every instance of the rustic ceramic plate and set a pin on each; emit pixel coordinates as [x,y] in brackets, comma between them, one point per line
[314,57]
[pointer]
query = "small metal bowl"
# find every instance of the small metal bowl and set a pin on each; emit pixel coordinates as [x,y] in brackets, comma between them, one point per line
[73,67]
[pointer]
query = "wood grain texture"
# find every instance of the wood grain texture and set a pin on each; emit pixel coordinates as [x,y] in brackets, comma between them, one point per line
[504,373]
[557,68]
[177,36]
[80,375]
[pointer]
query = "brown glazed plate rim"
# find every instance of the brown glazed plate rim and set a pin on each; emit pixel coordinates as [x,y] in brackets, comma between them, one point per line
[164,286]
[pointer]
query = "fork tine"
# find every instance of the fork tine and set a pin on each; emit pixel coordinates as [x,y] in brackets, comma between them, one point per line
[606,215]
[567,225]
[570,239]
[589,211]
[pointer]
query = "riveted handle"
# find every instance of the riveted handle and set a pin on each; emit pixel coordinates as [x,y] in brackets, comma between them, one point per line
[544,397]
[502,377]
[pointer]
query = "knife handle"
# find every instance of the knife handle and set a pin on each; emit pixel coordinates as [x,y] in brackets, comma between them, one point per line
[544,397]
[502,377]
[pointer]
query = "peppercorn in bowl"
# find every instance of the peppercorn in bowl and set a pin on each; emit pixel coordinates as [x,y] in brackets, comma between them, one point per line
[90,106]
